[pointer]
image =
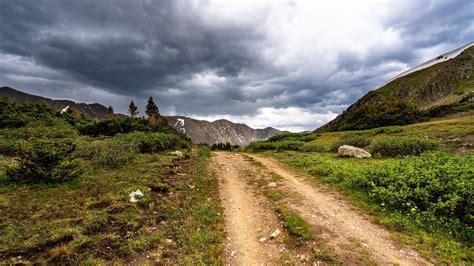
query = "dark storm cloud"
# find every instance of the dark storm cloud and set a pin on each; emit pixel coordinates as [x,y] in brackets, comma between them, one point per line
[198,64]
[124,45]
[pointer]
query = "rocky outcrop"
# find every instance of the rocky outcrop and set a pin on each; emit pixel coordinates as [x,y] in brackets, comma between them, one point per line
[351,151]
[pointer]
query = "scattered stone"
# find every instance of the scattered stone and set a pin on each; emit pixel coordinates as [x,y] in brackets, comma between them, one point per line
[263,239]
[301,258]
[134,195]
[227,169]
[271,185]
[178,153]
[351,151]
[169,241]
[275,233]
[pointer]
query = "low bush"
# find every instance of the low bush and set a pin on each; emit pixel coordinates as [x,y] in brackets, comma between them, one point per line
[112,127]
[293,136]
[109,152]
[312,147]
[45,161]
[388,130]
[435,188]
[360,140]
[401,146]
[155,142]
[261,146]
[289,145]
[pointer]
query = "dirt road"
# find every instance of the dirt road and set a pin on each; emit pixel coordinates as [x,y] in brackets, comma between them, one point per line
[353,238]
[249,223]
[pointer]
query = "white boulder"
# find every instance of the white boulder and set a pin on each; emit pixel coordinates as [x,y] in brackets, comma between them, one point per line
[134,195]
[178,153]
[351,151]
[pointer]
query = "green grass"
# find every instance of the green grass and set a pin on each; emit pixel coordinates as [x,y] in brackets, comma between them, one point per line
[452,133]
[436,242]
[296,226]
[90,219]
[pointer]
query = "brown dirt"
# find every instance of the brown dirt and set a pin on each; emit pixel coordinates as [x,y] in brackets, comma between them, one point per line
[347,229]
[248,218]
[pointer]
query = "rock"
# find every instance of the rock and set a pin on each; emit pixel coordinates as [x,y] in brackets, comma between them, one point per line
[275,233]
[169,241]
[351,151]
[263,239]
[178,153]
[134,195]
[272,184]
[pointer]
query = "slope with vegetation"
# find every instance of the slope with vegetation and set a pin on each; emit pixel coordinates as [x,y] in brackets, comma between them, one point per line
[65,185]
[439,90]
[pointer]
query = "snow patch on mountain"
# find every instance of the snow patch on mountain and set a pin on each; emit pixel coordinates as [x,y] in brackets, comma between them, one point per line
[439,59]
[64,109]
[179,125]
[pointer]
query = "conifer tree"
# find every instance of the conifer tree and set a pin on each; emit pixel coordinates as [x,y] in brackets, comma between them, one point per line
[110,111]
[151,108]
[132,109]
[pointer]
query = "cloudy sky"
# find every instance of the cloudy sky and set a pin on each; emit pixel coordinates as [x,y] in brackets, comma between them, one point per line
[288,64]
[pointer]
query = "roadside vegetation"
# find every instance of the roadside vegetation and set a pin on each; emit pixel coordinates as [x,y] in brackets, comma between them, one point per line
[66,188]
[419,183]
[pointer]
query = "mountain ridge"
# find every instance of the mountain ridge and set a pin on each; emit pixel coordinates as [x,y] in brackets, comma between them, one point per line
[200,131]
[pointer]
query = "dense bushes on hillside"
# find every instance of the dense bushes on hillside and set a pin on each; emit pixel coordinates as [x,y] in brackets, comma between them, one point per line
[112,127]
[45,141]
[435,188]
[155,142]
[381,113]
[401,146]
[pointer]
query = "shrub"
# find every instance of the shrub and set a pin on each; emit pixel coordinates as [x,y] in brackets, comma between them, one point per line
[398,146]
[155,142]
[45,161]
[435,187]
[293,136]
[112,127]
[261,146]
[109,152]
[360,140]
[312,147]
[289,145]
[388,130]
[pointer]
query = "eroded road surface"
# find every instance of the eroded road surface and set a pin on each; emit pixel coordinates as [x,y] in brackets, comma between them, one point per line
[351,235]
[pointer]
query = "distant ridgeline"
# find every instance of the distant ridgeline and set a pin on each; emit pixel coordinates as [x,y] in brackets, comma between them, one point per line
[435,90]
[200,131]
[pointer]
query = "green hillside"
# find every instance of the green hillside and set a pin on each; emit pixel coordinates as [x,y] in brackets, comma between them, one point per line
[436,91]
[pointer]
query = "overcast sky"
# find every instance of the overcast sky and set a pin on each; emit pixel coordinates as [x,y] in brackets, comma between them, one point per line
[288,64]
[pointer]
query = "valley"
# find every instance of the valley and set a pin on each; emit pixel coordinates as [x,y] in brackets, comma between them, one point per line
[389,181]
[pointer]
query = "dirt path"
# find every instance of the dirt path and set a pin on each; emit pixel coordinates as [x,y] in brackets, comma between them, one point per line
[347,230]
[249,223]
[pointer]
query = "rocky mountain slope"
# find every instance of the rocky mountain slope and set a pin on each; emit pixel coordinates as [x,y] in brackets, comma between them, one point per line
[220,131]
[90,111]
[447,81]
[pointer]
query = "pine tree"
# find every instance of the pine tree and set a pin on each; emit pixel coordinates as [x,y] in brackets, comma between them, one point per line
[110,111]
[151,108]
[132,109]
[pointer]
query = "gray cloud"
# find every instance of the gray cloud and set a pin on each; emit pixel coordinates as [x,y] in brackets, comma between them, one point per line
[197,61]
